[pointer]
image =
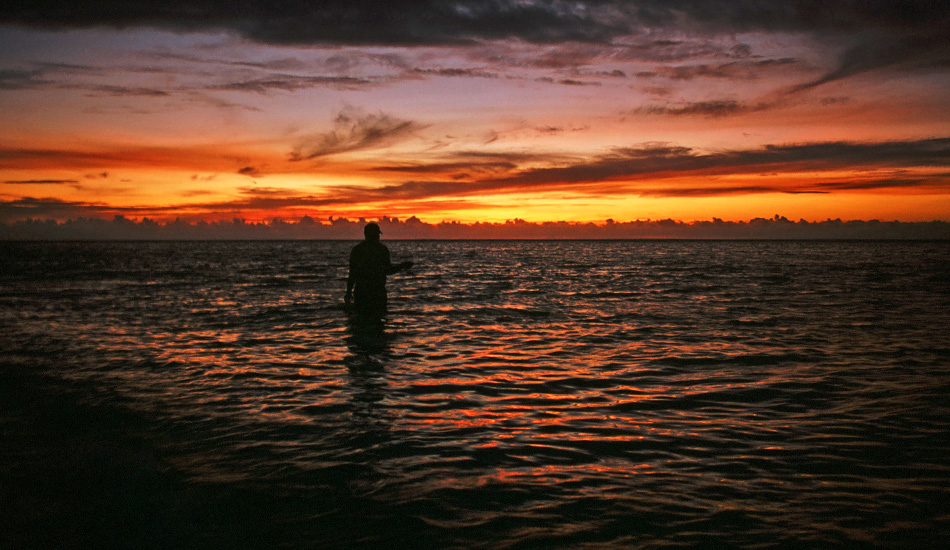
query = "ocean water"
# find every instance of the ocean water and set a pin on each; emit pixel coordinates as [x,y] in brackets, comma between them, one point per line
[519,395]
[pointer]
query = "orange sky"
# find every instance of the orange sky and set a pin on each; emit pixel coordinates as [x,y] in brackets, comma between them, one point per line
[579,116]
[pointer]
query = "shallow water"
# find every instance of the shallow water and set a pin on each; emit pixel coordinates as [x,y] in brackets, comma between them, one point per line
[519,395]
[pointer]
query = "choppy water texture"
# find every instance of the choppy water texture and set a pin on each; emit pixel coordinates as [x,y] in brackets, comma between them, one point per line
[519,395]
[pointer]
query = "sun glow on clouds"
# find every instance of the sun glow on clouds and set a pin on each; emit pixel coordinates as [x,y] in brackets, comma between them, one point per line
[529,112]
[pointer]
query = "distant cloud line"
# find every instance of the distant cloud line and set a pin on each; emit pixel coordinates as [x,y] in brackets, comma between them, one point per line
[778,227]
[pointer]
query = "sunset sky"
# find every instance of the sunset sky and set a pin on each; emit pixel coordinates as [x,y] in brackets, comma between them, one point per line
[475,111]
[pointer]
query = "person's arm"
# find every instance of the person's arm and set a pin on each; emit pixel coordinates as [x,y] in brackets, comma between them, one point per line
[395,268]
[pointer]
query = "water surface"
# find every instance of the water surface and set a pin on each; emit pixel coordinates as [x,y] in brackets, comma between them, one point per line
[629,394]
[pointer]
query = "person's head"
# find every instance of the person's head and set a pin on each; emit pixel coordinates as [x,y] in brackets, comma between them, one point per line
[372,231]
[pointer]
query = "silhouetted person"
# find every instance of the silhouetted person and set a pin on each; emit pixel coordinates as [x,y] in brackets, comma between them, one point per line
[369,265]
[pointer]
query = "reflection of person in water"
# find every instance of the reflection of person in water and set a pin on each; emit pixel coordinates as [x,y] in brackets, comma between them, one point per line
[369,265]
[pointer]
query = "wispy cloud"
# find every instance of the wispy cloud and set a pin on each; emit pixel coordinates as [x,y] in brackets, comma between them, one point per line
[292,83]
[918,52]
[17,79]
[252,171]
[356,131]
[40,182]
[50,208]
[449,167]
[470,72]
[657,161]
[710,109]
[736,70]
[125,91]
[250,200]
[617,172]
[571,81]
[212,157]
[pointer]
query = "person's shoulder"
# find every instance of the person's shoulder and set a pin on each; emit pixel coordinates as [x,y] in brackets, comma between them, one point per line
[359,249]
[369,247]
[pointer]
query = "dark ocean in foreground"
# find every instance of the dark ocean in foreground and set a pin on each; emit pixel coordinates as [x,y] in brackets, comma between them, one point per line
[520,395]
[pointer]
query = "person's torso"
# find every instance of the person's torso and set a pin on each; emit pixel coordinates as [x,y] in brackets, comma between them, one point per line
[370,263]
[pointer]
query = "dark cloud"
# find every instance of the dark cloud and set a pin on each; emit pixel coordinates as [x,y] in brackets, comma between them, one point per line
[711,109]
[707,191]
[280,64]
[451,168]
[575,82]
[218,103]
[69,68]
[291,83]
[356,131]
[455,72]
[569,82]
[657,170]
[40,182]
[735,70]
[867,35]
[15,79]
[191,158]
[346,60]
[657,91]
[250,199]
[48,208]
[50,75]
[74,157]
[672,51]
[120,91]
[887,183]
[342,21]
[478,162]
[567,56]
[46,74]
[574,59]
[838,100]
[661,161]
[459,21]
[252,171]
[817,188]
[928,50]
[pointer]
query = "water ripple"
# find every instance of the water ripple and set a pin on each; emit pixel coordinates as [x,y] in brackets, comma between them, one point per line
[519,395]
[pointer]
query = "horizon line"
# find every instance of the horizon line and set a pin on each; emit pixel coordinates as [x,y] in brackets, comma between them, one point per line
[344,229]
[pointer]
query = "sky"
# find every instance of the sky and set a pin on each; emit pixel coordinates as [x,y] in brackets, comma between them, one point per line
[475,111]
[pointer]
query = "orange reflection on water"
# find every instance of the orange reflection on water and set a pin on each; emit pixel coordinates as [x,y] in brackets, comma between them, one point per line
[575,475]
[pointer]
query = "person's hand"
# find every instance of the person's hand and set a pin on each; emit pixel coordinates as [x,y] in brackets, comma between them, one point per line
[405,265]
